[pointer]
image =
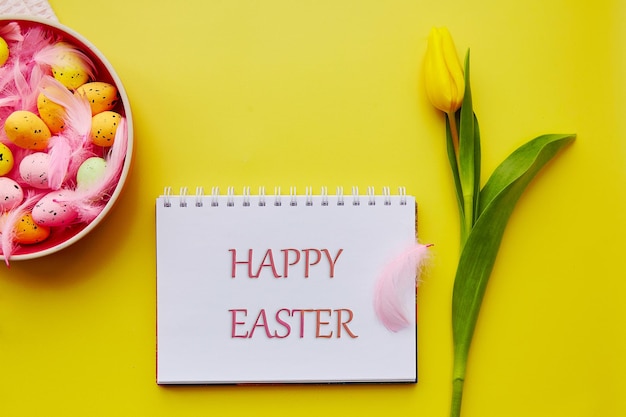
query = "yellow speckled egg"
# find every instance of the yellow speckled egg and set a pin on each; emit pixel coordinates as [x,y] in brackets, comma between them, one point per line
[51,113]
[103,128]
[6,159]
[70,69]
[102,96]
[27,130]
[27,232]
[4,51]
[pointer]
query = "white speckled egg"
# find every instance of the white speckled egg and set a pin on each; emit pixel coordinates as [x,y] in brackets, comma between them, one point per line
[34,169]
[52,211]
[11,194]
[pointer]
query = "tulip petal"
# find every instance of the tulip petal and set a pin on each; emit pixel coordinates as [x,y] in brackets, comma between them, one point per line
[443,73]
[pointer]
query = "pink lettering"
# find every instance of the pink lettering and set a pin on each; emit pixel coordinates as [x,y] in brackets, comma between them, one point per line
[261,321]
[236,323]
[285,320]
[319,324]
[287,262]
[235,262]
[268,260]
[307,259]
[344,324]
[332,261]
[283,323]
[290,258]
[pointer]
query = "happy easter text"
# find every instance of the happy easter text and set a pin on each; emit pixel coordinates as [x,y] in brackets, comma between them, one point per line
[287,263]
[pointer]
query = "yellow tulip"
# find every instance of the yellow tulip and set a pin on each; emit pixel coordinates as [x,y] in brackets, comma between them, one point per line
[445,84]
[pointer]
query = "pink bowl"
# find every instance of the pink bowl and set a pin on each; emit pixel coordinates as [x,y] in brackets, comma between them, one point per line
[63,237]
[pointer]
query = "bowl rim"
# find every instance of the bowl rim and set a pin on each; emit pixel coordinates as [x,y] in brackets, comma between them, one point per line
[129,125]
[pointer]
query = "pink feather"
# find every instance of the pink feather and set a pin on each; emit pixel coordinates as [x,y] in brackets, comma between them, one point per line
[72,146]
[60,152]
[51,55]
[35,39]
[89,201]
[7,230]
[11,32]
[77,109]
[395,287]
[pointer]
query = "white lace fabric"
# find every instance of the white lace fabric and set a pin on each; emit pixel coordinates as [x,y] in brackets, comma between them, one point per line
[33,8]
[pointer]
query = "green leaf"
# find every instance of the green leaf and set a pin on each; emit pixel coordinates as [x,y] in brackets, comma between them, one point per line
[469,155]
[497,201]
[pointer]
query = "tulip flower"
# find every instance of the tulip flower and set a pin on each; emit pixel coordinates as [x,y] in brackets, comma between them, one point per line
[484,213]
[445,84]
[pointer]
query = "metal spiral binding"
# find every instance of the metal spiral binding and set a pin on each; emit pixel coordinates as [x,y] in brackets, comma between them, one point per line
[324,195]
[386,196]
[199,195]
[183,197]
[215,192]
[230,197]
[167,193]
[214,198]
[246,196]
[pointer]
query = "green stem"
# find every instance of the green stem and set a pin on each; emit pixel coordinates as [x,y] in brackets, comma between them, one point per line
[458,378]
[457,396]
[455,132]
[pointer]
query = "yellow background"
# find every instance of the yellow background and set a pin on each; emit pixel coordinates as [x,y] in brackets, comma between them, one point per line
[329,92]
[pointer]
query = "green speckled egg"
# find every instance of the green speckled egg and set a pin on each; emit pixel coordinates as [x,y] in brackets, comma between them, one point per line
[91,171]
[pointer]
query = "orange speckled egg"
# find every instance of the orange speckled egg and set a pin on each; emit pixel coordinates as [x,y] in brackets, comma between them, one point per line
[101,96]
[27,232]
[27,130]
[52,114]
[103,128]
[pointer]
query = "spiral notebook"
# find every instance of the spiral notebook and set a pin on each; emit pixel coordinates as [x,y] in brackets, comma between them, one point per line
[279,288]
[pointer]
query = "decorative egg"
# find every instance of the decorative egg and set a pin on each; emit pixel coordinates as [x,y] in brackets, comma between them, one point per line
[91,171]
[11,194]
[4,51]
[52,114]
[6,159]
[27,130]
[103,128]
[27,232]
[34,169]
[70,68]
[52,211]
[101,96]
